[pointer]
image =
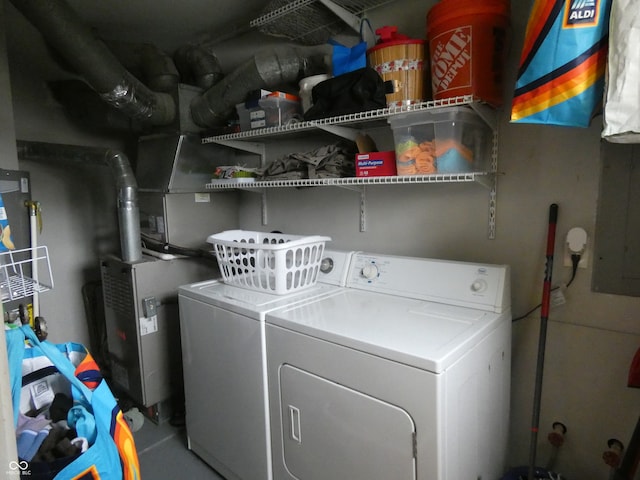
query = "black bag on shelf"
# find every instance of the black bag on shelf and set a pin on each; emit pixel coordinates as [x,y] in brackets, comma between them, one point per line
[352,92]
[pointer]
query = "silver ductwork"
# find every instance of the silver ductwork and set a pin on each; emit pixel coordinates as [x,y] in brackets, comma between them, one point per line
[127,187]
[128,213]
[197,66]
[64,31]
[96,63]
[266,69]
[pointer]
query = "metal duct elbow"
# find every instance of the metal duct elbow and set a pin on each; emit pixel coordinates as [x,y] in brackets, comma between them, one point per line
[87,108]
[160,73]
[127,186]
[263,70]
[64,31]
[198,66]
[128,210]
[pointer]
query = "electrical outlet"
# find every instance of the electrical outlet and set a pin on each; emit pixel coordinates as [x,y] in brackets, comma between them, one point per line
[570,241]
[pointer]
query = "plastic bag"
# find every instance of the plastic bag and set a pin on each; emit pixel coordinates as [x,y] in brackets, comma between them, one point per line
[347,59]
[352,92]
[622,91]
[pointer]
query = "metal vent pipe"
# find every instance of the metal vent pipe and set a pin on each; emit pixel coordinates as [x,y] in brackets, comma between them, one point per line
[196,64]
[127,187]
[266,69]
[65,31]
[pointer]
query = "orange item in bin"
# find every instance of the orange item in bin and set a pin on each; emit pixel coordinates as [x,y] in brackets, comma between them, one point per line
[418,159]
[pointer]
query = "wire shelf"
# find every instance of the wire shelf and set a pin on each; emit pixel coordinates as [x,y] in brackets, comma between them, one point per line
[481,177]
[24,272]
[355,119]
[310,22]
[349,119]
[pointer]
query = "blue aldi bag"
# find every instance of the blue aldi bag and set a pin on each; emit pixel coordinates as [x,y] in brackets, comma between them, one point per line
[45,372]
[562,67]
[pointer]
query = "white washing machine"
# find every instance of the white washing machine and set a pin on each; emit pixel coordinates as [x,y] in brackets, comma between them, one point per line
[404,374]
[224,363]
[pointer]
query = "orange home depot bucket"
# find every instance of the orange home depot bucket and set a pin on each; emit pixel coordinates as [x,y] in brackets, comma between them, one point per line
[400,60]
[467,48]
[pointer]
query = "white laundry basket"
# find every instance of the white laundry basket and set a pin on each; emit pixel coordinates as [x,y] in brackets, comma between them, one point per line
[269,262]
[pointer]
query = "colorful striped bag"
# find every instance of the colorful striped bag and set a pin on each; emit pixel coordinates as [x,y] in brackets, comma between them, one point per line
[38,371]
[562,66]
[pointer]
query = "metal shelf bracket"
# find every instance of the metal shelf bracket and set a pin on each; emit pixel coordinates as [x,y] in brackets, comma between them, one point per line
[362,190]
[492,210]
[493,188]
[346,16]
[340,131]
[251,147]
[486,113]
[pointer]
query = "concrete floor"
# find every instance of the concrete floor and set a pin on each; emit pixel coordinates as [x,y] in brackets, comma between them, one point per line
[163,454]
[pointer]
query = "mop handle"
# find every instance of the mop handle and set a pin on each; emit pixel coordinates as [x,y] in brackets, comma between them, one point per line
[544,315]
[551,241]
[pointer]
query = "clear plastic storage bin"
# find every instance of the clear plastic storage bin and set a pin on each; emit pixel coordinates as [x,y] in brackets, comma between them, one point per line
[250,117]
[269,262]
[281,109]
[443,141]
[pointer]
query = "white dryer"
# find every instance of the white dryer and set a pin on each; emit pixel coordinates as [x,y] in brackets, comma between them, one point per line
[224,363]
[404,374]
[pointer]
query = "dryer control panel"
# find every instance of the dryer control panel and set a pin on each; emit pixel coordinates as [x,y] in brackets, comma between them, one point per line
[474,285]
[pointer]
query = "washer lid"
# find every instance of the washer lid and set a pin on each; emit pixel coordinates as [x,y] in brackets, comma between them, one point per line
[426,335]
[248,302]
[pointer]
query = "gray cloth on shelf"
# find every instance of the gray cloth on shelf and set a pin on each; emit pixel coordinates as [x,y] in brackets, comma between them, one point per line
[335,160]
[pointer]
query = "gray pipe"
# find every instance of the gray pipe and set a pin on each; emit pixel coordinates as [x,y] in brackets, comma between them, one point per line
[128,212]
[64,30]
[196,64]
[267,69]
[147,63]
[127,187]
[160,73]
[86,108]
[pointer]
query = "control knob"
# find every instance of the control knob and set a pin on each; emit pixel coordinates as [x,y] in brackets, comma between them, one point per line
[479,286]
[369,271]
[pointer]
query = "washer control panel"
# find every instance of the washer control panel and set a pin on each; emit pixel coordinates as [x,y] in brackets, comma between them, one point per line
[454,282]
[334,267]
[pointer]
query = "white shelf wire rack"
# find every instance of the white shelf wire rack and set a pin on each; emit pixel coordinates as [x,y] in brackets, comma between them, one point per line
[24,272]
[251,140]
[312,22]
[482,177]
[357,118]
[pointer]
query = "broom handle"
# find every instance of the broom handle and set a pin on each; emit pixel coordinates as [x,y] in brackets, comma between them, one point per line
[544,316]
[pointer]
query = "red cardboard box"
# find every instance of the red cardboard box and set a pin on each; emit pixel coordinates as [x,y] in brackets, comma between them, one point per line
[376,164]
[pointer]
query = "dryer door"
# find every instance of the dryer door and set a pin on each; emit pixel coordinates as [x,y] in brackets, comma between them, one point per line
[332,431]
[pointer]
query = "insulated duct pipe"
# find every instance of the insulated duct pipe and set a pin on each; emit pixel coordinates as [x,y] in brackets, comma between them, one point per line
[196,64]
[64,31]
[159,70]
[264,70]
[127,187]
